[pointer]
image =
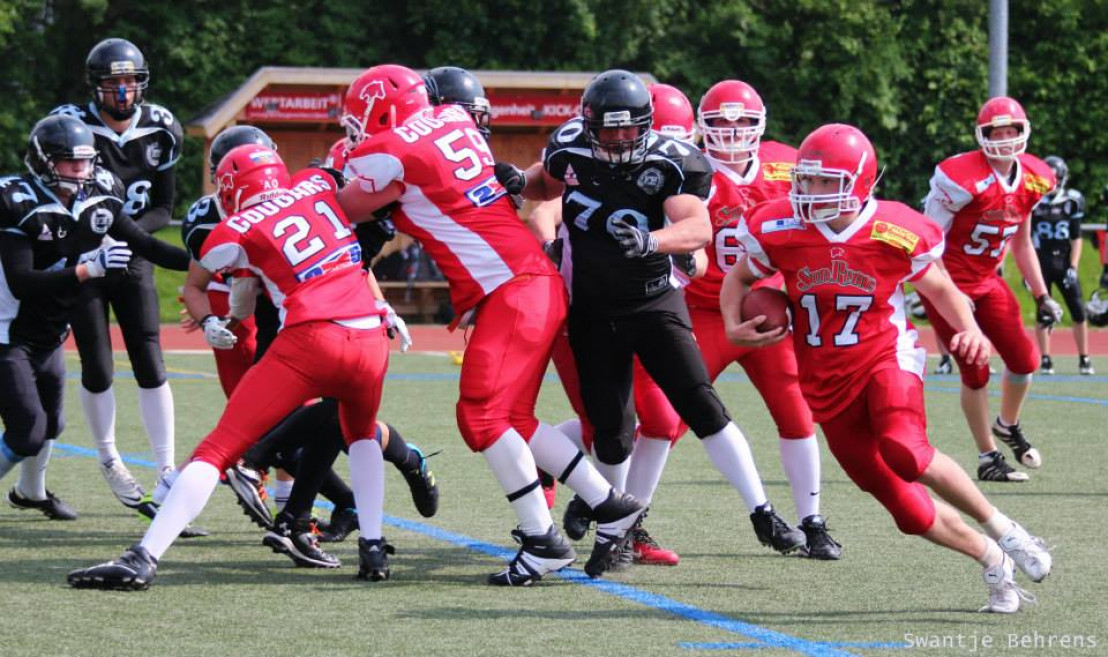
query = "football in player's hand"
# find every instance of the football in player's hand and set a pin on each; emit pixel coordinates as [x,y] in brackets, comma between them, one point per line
[772,303]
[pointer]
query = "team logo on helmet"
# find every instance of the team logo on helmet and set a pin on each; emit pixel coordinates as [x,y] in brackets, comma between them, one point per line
[651,181]
[126,67]
[371,93]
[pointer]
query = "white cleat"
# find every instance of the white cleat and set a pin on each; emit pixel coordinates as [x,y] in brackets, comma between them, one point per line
[123,485]
[1004,596]
[1029,552]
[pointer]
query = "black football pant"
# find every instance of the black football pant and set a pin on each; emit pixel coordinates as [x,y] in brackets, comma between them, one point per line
[32,387]
[662,338]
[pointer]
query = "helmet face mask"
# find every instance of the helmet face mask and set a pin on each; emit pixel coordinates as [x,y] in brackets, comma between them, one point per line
[118,75]
[718,117]
[810,201]
[618,114]
[58,139]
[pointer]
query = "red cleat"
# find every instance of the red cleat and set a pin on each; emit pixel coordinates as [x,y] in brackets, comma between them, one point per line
[647,551]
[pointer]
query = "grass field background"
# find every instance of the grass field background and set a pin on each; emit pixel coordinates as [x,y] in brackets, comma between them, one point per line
[229,595]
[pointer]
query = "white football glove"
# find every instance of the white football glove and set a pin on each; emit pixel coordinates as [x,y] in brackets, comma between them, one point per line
[113,255]
[396,325]
[216,332]
[1049,312]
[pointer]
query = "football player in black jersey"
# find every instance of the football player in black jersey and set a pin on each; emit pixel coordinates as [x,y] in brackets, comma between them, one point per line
[61,225]
[140,143]
[1056,233]
[632,197]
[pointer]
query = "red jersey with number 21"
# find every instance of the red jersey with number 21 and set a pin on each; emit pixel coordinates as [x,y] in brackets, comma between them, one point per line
[451,201]
[846,291]
[301,246]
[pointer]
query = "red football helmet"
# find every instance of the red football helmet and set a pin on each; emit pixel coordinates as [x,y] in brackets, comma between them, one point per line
[731,100]
[336,156]
[673,113]
[248,175]
[380,99]
[1001,112]
[839,152]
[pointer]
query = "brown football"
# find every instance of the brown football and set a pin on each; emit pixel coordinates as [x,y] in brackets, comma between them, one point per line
[772,303]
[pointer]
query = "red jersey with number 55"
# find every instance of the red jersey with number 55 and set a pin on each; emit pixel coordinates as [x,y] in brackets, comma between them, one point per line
[846,291]
[302,248]
[451,201]
[732,197]
[980,212]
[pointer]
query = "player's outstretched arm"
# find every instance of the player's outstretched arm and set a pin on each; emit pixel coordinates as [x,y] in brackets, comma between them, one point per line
[969,342]
[195,291]
[540,185]
[359,201]
[736,285]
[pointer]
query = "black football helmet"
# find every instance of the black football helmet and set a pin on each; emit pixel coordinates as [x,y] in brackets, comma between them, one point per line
[617,99]
[112,58]
[450,85]
[1096,309]
[1060,169]
[229,138]
[60,137]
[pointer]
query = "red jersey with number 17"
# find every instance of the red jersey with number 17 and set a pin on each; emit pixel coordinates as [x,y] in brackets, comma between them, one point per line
[980,212]
[732,197]
[302,248]
[451,201]
[846,291]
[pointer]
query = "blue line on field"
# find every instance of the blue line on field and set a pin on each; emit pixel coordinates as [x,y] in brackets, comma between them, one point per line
[877,645]
[1034,395]
[768,638]
[124,374]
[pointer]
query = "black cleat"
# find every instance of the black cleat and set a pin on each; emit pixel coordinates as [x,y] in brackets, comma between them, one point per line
[373,559]
[819,544]
[1047,365]
[343,522]
[577,519]
[424,488]
[945,366]
[1085,366]
[537,556]
[131,572]
[993,467]
[774,532]
[249,488]
[615,517]
[294,538]
[1012,436]
[52,507]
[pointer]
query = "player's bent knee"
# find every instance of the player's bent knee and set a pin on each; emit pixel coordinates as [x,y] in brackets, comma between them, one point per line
[479,428]
[916,519]
[974,378]
[905,462]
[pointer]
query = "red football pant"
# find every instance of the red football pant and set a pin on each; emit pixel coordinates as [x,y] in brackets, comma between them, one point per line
[506,359]
[231,364]
[771,369]
[314,359]
[880,440]
[998,314]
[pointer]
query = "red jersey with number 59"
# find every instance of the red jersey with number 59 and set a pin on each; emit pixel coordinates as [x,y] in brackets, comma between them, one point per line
[846,291]
[451,201]
[732,197]
[980,212]
[302,248]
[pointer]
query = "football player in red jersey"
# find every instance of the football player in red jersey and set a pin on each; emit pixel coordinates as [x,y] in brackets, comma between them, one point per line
[747,171]
[983,200]
[436,166]
[845,256]
[332,343]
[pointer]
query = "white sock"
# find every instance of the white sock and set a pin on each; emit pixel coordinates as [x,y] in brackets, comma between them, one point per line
[615,473]
[513,465]
[8,458]
[997,525]
[99,410]
[32,473]
[992,555]
[800,460]
[648,460]
[186,499]
[572,430]
[282,488]
[730,453]
[553,453]
[156,406]
[367,478]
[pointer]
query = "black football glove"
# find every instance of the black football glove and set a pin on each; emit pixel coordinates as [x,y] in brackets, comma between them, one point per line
[686,262]
[510,176]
